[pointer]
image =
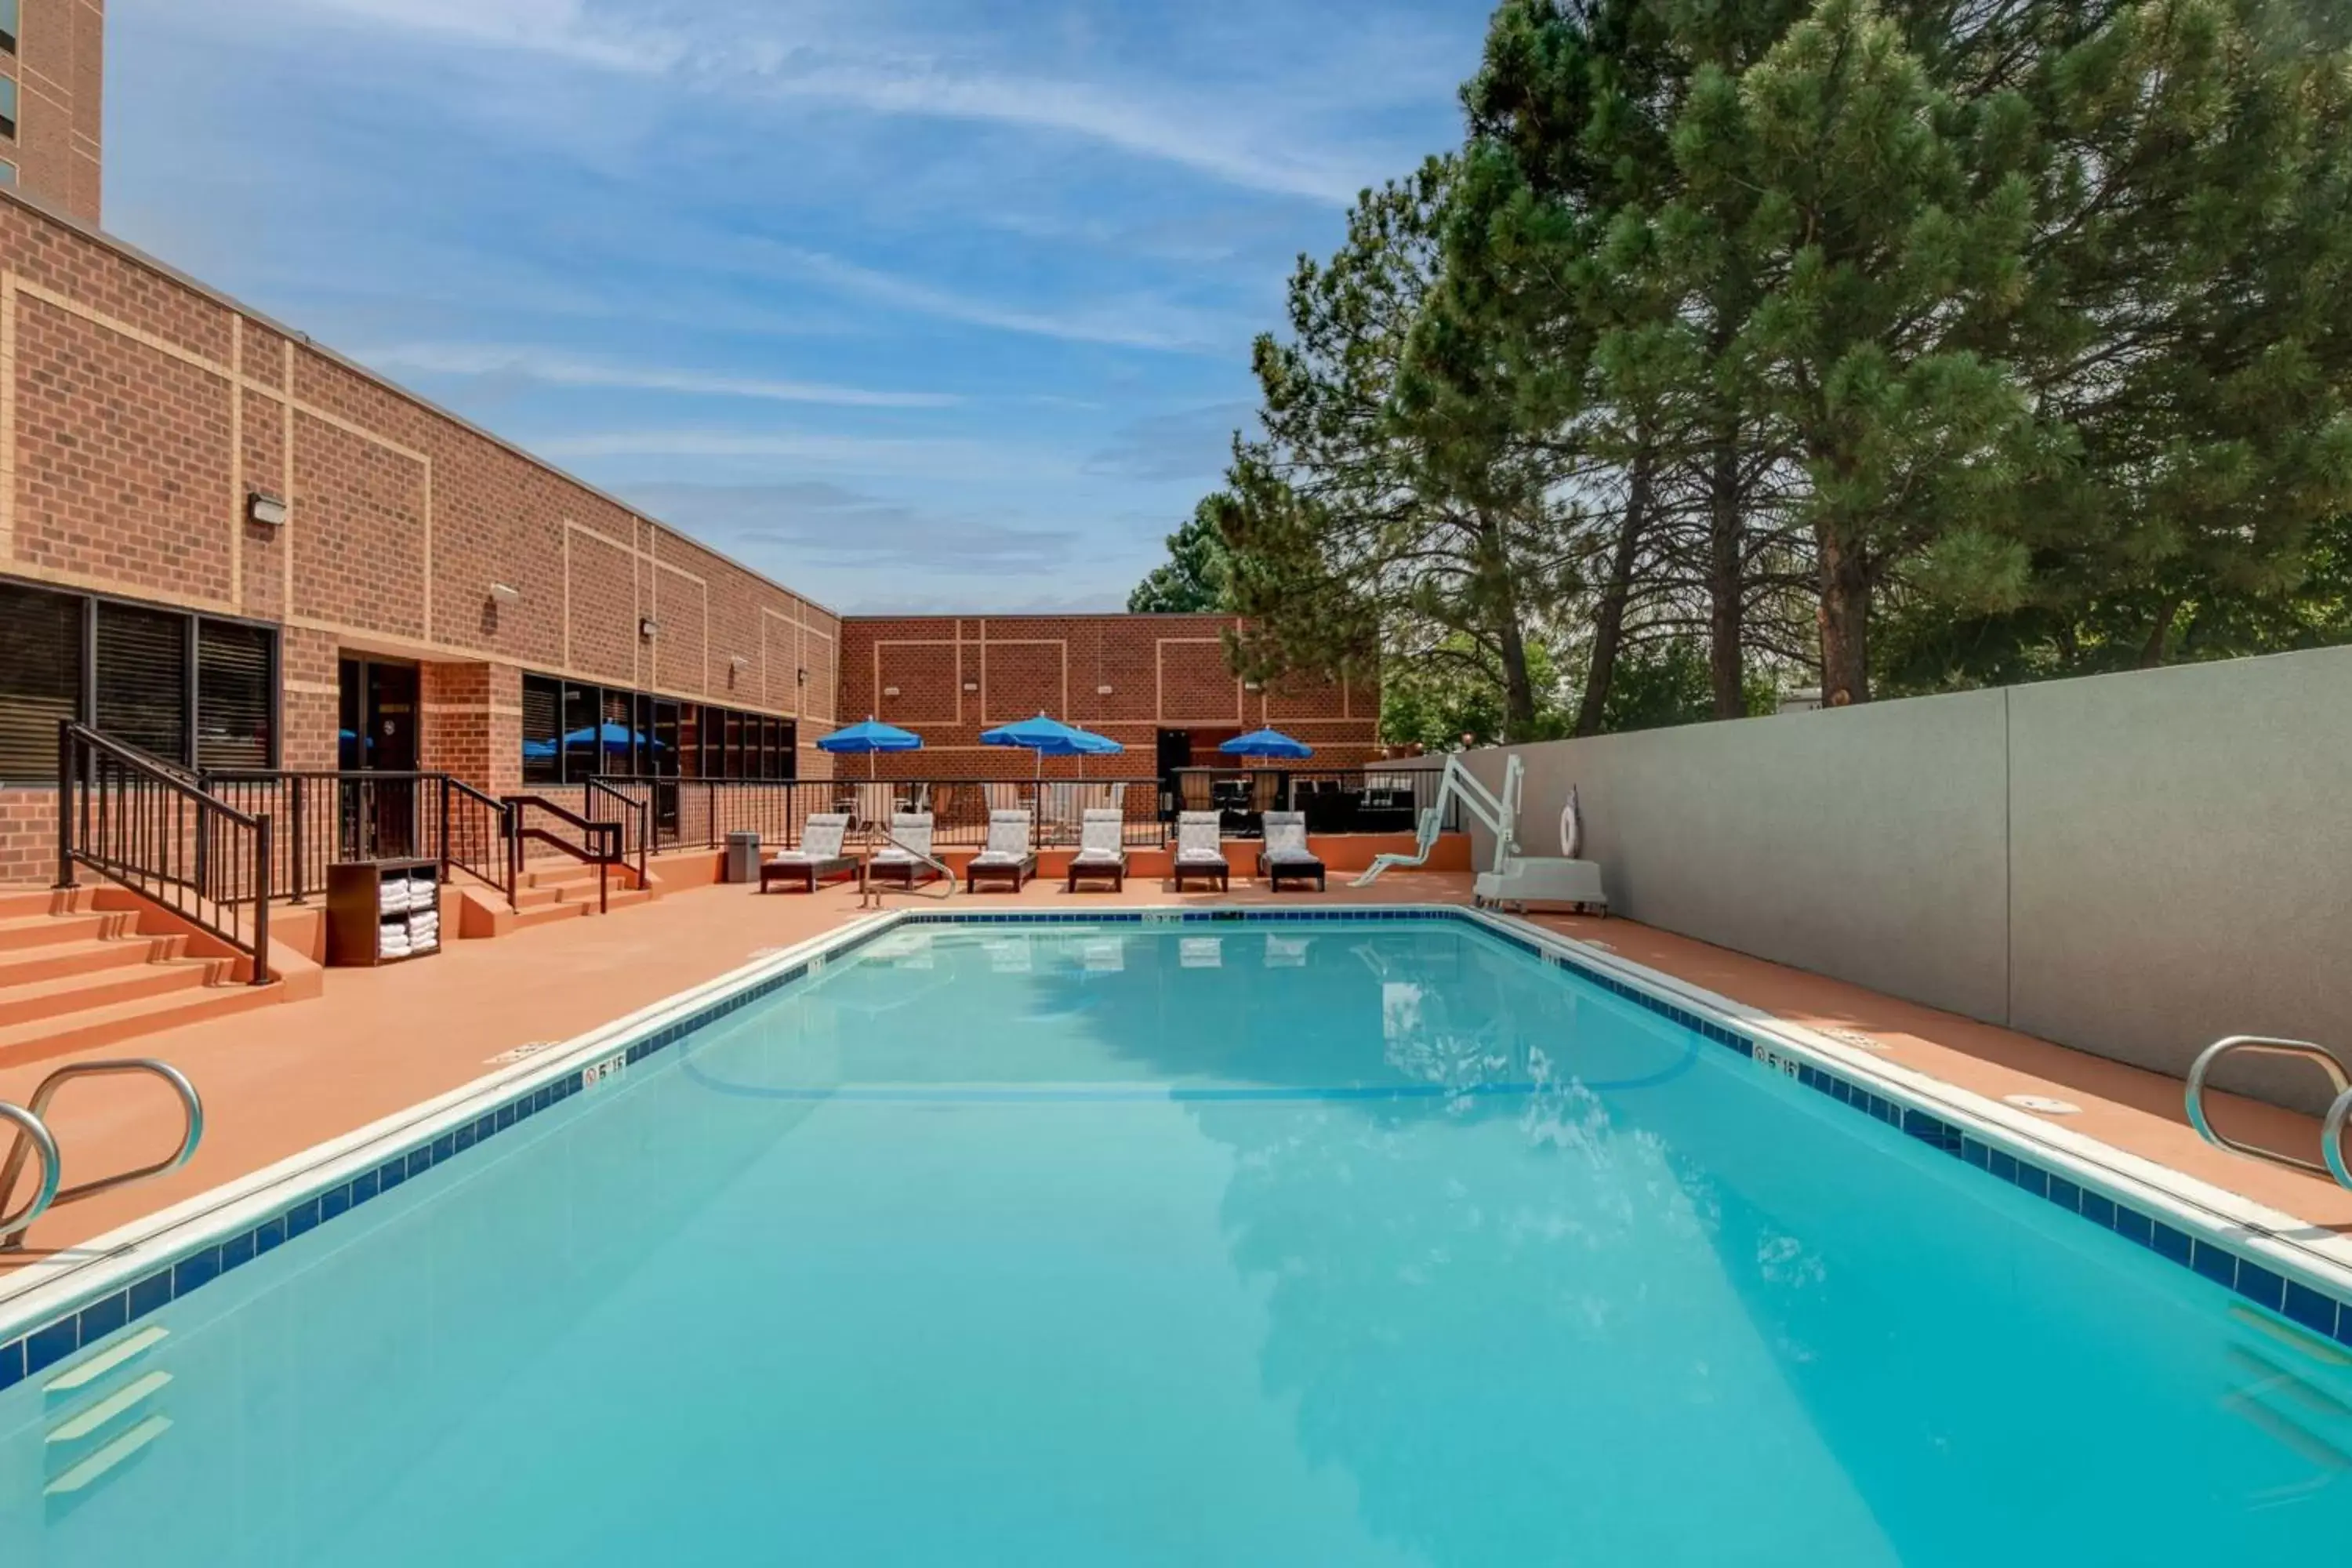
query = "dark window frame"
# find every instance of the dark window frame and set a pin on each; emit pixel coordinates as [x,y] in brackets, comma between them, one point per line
[88,603]
[777,760]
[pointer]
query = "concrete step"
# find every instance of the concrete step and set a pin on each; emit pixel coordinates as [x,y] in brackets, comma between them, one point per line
[67,993]
[15,903]
[20,931]
[55,959]
[41,1038]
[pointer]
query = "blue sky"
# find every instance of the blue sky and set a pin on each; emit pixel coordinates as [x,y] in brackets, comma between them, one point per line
[928,305]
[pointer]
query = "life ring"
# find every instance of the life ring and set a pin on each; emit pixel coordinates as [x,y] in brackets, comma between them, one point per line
[1571,827]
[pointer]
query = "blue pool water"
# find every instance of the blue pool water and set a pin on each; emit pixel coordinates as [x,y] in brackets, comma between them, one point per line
[1299,1245]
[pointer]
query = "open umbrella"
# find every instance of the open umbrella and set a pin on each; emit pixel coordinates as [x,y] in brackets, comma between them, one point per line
[870,738]
[1051,738]
[1266,743]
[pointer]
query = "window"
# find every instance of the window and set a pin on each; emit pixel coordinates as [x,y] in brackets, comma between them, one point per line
[142,680]
[237,695]
[8,18]
[7,172]
[571,732]
[187,689]
[8,106]
[542,729]
[41,678]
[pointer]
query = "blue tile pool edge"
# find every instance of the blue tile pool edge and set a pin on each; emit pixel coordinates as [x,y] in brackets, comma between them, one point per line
[139,1287]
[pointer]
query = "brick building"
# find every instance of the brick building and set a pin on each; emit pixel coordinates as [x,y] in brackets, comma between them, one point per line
[52,60]
[228,546]
[1159,685]
[231,547]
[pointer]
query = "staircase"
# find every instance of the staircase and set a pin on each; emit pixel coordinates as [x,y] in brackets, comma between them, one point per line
[564,889]
[74,976]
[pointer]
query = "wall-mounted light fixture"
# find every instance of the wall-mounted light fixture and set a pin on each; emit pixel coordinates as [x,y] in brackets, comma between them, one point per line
[500,594]
[1252,685]
[804,678]
[647,628]
[971,686]
[739,662]
[889,691]
[1102,690]
[263,508]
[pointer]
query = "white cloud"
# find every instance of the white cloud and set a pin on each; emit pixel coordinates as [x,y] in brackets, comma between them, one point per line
[563,370]
[1224,139]
[1134,324]
[561,27]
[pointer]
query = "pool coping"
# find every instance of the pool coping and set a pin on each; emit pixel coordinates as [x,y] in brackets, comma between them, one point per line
[55,1309]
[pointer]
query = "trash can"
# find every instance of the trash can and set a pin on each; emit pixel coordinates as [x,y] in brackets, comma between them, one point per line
[742,857]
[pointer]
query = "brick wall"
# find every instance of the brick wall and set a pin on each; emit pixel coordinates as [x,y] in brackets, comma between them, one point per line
[1128,677]
[138,411]
[59,67]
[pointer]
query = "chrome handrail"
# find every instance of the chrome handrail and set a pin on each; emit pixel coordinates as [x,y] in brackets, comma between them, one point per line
[191,1106]
[30,1130]
[869,897]
[2332,1135]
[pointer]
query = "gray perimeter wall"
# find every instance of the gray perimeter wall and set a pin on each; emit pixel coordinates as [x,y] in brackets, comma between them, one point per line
[2133,865]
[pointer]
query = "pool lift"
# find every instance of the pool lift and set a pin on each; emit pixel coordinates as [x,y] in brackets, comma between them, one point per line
[1516,880]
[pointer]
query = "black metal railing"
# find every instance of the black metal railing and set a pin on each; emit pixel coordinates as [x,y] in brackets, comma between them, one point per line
[703,812]
[628,804]
[153,829]
[1336,800]
[331,818]
[475,830]
[596,844]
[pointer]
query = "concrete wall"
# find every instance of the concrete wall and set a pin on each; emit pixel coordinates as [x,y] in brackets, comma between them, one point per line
[2133,865]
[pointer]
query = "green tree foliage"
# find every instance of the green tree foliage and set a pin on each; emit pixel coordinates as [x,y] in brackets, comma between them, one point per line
[1888,345]
[1192,579]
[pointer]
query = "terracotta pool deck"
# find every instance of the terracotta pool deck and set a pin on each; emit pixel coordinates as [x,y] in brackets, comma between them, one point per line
[276,1081]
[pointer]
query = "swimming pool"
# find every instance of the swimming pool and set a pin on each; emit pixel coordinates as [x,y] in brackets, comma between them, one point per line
[1364,1241]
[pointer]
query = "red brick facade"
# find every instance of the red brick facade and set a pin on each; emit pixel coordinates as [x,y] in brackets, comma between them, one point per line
[138,413]
[947,678]
[58,65]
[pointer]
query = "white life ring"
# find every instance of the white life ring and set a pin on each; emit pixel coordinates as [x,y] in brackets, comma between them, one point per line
[1571,827]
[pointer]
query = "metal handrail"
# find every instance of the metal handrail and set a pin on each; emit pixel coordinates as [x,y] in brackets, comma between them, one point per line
[2332,1134]
[869,897]
[30,1130]
[33,1121]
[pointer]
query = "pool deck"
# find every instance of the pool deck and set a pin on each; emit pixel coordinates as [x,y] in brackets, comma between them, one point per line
[276,1081]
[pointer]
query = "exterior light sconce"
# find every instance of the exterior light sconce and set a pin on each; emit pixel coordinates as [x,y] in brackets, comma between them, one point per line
[971,686]
[500,594]
[889,691]
[1102,690]
[263,508]
[802,679]
[1252,685]
[739,662]
[647,628]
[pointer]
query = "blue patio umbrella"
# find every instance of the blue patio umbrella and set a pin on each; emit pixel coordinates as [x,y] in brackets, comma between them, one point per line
[612,736]
[1051,738]
[870,739]
[1266,743]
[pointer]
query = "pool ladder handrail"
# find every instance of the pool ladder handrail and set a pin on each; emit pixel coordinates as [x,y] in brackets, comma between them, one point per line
[33,1136]
[2331,1136]
[869,897]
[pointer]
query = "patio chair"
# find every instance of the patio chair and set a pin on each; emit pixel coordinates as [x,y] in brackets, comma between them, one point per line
[1102,855]
[1007,857]
[818,857]
[903,861]
[1286,857]
[1200,851]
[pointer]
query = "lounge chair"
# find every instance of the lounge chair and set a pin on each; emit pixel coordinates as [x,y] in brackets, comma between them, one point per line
[1101,857]
[904,861]
[1286,857]
[1007,857]
[818,857]
[1200,851]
